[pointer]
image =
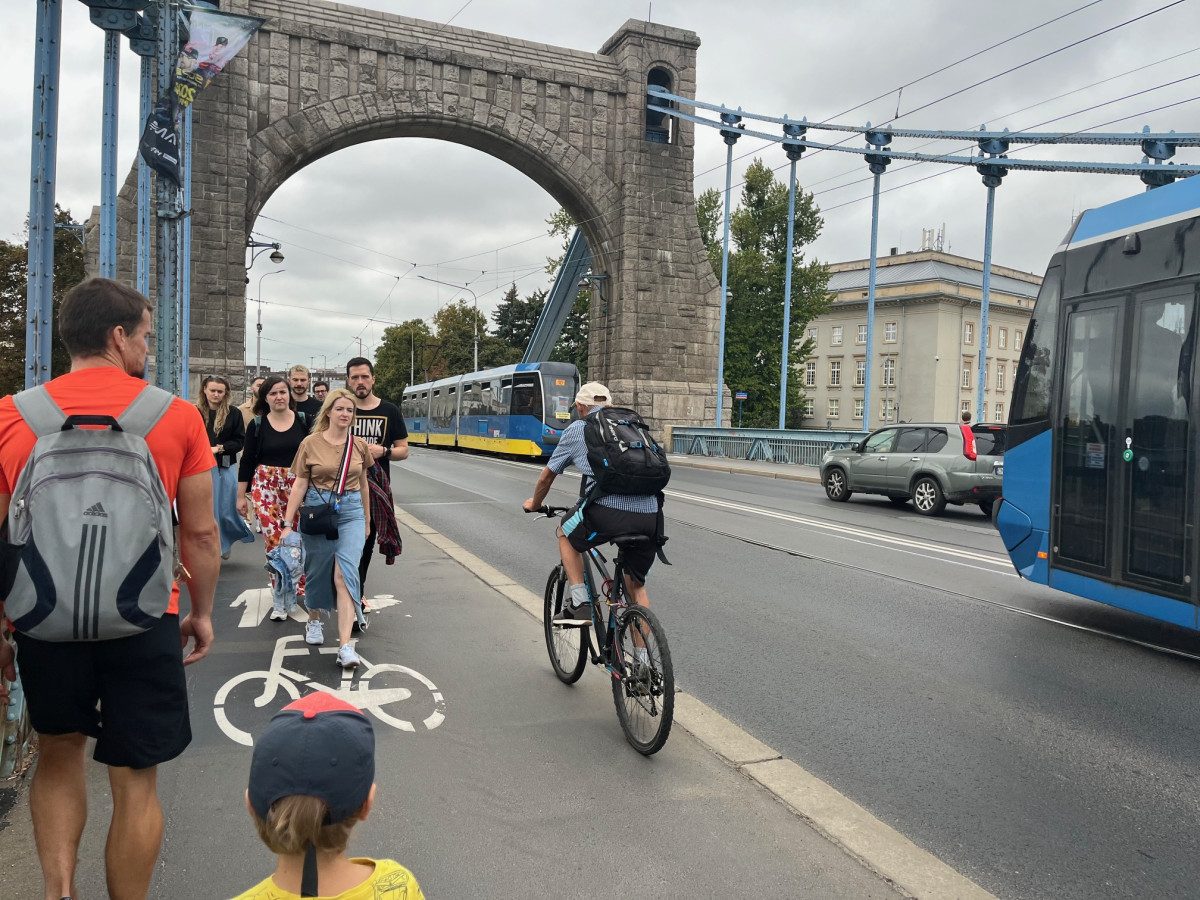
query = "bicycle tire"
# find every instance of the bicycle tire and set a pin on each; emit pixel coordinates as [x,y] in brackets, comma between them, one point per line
[567,647]
[645,718]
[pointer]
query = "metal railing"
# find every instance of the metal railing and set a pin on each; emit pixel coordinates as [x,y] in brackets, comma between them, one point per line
[797,448]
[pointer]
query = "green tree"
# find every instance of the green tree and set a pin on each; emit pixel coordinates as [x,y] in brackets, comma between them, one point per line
[405,348]
[456,325]
[757,264]
[68,272]
[517,316]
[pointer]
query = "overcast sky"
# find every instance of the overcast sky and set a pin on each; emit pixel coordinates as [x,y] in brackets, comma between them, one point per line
[355,221]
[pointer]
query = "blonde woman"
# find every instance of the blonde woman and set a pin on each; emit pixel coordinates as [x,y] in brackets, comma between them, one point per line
[318,468]
[226,436]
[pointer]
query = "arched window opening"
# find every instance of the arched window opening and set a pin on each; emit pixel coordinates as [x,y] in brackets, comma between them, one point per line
[660,128]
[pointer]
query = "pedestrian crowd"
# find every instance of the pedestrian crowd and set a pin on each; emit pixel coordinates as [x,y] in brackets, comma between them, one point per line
[96,616]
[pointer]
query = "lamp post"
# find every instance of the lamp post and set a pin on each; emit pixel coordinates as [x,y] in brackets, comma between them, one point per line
[258,299]
[474,300]
[262,247]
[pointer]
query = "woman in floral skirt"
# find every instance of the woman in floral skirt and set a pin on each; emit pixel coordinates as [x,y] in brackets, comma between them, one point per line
[272,439]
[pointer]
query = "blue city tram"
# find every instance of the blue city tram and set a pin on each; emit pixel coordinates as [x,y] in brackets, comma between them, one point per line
[518,410]
[1100,474]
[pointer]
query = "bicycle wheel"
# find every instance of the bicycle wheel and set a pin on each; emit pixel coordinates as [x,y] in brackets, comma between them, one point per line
[645,694]
[567,646]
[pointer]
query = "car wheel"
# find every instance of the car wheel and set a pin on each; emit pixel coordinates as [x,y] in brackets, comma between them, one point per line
[927,497]
[898,501]
[835,485]
[985,507]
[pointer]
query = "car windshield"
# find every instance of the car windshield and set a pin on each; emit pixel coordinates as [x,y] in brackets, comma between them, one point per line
[989,441]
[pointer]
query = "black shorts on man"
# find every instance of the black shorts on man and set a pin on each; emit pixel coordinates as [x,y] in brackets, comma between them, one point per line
[596,525]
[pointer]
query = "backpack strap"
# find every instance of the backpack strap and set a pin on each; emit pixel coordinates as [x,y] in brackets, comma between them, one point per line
[143,413]
[39,410]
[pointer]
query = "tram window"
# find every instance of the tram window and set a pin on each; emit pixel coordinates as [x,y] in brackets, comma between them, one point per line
[1031,384]
[504,398]
[472,400]
[527,395]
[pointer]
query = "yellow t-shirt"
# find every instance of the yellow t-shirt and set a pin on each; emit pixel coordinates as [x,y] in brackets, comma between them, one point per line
[390,881]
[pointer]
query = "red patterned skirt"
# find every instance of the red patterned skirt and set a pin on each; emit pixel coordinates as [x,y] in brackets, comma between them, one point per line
[270,489]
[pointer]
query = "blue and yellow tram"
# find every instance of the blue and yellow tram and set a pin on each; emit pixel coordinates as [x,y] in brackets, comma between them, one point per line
[518,410]
[1100,473]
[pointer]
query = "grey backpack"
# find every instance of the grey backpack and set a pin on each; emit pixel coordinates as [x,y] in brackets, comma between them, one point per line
[92,523]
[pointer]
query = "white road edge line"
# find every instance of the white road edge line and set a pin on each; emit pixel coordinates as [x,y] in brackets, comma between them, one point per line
[878,846]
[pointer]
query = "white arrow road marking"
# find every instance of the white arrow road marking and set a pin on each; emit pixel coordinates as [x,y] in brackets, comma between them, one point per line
[257,604]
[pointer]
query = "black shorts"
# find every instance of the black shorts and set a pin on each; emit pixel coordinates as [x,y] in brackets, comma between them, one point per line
[600,524]
[130,694]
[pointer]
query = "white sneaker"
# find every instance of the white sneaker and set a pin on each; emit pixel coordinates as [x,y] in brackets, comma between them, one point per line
[278,615]
[314,632]
[347,658]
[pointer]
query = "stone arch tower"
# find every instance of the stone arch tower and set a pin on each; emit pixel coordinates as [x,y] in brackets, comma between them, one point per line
[322,76]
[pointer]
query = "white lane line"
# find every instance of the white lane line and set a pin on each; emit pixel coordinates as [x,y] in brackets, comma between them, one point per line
[852,533]
[877,845]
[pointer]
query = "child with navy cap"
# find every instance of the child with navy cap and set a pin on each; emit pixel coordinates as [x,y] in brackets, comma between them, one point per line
[312,779]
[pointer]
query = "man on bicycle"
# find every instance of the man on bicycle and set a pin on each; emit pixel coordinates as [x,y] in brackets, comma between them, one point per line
[590,523]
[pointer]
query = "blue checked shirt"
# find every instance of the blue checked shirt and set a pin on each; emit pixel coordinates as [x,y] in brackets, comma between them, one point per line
[572,449]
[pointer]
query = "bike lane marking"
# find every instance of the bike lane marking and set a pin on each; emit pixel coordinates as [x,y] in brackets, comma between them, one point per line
[877,845]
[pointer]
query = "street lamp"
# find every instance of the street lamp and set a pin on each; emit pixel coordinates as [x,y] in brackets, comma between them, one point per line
[262,247]
[474,300]
[258,347]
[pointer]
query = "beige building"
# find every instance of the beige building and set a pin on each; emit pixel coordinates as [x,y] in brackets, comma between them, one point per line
[927,341]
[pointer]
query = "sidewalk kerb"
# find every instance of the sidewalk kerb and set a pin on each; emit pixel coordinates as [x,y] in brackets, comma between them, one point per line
[878,846]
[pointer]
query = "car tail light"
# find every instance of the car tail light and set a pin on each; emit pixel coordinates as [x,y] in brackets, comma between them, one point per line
[968,437]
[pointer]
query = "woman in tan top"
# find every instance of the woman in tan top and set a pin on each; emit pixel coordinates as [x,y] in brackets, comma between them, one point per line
[317,468]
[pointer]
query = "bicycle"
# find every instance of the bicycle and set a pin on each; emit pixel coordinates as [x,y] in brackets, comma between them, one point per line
[643,691]
[355,688]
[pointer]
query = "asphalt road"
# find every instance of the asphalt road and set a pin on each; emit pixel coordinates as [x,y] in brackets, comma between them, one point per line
[1023,736]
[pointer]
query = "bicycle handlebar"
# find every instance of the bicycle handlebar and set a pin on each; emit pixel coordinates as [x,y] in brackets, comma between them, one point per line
[549,512]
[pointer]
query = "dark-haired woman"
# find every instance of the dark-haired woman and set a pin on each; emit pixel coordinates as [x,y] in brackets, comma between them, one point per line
[226,435]
[272,439]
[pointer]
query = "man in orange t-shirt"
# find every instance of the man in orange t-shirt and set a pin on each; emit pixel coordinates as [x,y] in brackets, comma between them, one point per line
[130,693]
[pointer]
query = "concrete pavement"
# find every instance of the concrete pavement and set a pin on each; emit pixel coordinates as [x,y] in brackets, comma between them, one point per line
[523,787]
[782,471]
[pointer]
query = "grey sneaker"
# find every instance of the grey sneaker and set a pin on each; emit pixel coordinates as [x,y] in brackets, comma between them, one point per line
[573,616]
[347,658]
[278,615]
[314,632]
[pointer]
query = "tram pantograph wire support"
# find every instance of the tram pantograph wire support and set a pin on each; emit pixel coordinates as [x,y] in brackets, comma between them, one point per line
[877,162]
[730,133]
[993,173]
[793,151]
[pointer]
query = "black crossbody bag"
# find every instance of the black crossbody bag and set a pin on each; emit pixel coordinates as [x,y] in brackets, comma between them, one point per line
[322,518]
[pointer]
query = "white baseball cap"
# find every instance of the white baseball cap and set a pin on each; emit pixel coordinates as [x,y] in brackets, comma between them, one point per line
[594,394]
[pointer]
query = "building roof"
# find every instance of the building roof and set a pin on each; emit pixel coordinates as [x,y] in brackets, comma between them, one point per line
[924,270]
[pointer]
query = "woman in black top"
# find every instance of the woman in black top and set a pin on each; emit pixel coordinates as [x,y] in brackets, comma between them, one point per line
[272,439]
[226,434]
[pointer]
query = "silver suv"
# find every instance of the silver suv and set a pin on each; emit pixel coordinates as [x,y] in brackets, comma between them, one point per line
[931,465]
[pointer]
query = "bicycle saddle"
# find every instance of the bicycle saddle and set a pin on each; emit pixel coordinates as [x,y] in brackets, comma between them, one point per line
[622,540]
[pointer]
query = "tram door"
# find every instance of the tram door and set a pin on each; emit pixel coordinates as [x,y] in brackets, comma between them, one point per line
[1123,507]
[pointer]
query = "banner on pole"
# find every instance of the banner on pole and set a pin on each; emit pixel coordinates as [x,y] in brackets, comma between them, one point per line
[214,38]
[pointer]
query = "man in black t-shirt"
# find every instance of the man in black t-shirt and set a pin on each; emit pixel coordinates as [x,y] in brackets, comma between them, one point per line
[298,379]
[382,426]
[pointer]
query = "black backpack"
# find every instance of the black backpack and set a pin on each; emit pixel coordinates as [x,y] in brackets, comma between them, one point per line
[624,458]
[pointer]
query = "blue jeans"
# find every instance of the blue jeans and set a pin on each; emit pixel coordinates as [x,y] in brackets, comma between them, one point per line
[320,552]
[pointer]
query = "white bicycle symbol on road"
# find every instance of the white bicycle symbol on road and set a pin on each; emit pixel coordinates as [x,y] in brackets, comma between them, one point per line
[357,693]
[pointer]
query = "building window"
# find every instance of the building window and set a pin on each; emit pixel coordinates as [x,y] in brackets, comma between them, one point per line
[966,375]
[1018,339]
[889,333]
[860,372]
[835,335]
[1003,338]
[835,407]
[999,412]
[889,372]
[988,336]
[858,408]
[862,334]
[987,367]
[1000,373]
[968,332]
[964,408]
[806,408]
[835,373]
[659,125]
[810,373]
[812,334]
[887,409]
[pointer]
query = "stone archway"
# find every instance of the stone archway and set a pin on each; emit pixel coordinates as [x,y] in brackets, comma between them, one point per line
[319,77]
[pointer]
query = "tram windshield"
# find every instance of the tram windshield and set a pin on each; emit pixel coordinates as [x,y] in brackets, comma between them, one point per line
[559,391]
